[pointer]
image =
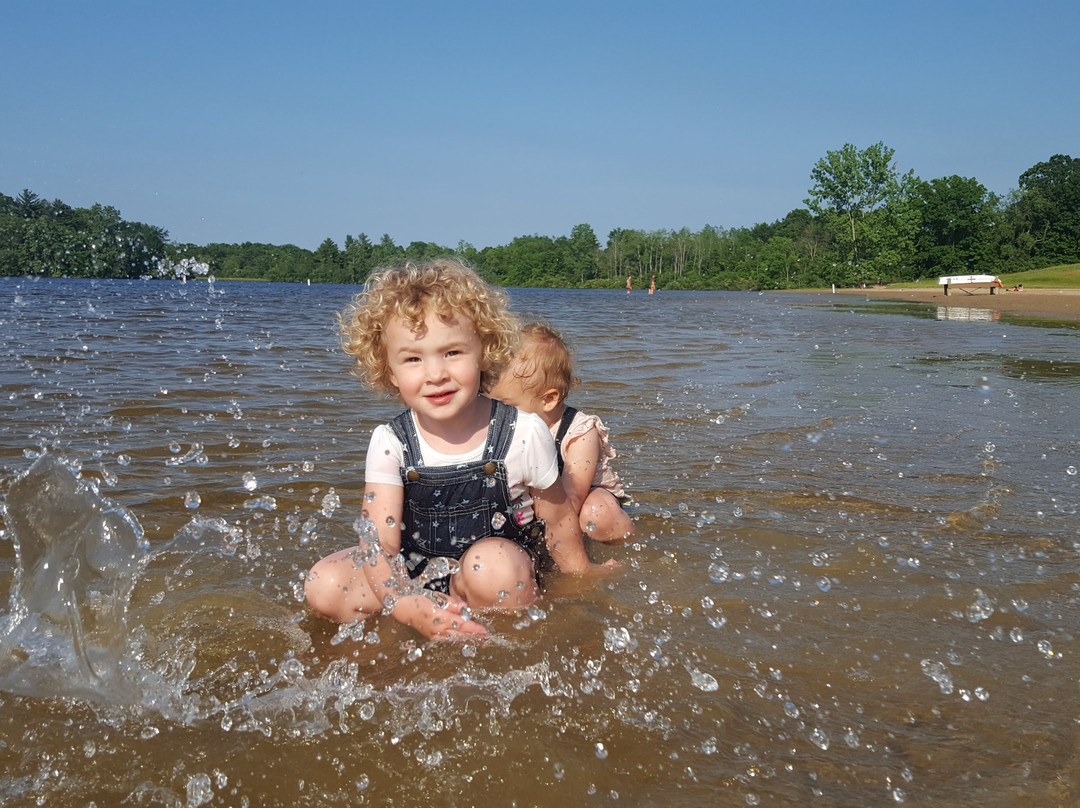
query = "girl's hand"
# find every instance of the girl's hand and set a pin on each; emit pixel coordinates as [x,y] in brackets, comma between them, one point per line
[437,621]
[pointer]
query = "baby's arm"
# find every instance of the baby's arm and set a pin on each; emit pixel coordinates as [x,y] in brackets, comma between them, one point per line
[599,513]
[385,504]
[581,457]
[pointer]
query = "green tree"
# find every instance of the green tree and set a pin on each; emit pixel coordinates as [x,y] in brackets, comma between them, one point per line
[386,253]
[957,217]
[329,264]
[358,256]
[1047,210]
[29,205]
[853,183]
[582,254]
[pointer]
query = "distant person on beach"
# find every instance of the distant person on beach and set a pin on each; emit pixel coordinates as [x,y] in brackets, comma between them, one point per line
[538,381]
[462,500]
[629,284]
[652,285]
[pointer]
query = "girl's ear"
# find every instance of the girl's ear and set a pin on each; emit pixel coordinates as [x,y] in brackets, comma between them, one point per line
[550,399]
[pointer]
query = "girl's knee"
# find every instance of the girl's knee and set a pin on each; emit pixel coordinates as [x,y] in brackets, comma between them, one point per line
[496,573]
[335,588]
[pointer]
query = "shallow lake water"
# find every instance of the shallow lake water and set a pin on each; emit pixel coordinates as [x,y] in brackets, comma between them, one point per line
[855,578]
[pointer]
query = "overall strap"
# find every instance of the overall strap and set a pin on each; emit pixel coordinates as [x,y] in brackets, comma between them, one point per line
[501,430]
[405,431]
[564,427]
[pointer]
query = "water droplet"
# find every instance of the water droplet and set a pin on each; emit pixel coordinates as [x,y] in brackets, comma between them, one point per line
[192,500]
[1071,471]
[1046,648]
[619,640]
[937,672]
[200,790]
[819,738]
[250,481]
[719,573]
[703,681]
[981,609]
[601,752]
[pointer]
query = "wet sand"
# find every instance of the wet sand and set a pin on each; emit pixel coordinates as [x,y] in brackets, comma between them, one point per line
[1061,303]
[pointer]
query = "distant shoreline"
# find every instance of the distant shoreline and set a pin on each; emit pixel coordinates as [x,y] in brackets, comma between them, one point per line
[1054,303]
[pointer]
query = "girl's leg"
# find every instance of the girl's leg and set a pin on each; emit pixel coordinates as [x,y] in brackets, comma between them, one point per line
[602,518]
[496,573]
[337,588]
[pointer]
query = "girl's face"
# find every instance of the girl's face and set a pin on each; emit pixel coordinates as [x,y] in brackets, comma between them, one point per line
[437,372]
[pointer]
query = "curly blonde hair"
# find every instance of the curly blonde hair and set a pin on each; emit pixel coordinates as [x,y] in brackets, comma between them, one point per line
[544,361]
[446,287]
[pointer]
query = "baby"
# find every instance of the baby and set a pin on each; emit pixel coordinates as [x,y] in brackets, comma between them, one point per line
[538,381]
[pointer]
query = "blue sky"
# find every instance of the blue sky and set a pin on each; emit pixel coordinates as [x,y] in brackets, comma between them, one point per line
[290,122]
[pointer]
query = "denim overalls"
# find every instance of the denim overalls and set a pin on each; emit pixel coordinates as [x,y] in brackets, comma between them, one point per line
[448,508]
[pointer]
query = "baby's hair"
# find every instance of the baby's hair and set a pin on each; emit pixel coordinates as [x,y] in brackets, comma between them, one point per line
[544,361]
[447,287]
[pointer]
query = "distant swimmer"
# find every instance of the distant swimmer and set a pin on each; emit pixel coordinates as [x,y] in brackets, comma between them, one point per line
[629,284]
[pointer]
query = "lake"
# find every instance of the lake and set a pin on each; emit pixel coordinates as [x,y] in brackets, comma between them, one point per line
[855,578]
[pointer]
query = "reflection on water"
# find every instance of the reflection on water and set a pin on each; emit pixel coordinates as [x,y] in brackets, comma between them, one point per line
[968,314]
[856,579]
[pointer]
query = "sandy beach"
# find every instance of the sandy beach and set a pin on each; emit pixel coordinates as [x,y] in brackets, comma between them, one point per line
[1059,303]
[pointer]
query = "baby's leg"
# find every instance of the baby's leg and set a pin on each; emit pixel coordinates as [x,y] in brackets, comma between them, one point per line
[496,573]
[602,518]
[337,588]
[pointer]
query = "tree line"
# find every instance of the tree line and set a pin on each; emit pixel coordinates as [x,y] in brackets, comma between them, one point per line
[864,222]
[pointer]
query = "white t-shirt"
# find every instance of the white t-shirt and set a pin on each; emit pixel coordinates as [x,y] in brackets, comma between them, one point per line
[530,460]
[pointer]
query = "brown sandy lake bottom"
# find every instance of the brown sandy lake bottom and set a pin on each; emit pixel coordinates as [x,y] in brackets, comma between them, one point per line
[855,579]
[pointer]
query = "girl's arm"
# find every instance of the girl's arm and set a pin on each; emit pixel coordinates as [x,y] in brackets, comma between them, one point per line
[385,504]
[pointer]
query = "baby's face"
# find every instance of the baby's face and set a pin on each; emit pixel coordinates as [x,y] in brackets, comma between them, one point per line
[512,389]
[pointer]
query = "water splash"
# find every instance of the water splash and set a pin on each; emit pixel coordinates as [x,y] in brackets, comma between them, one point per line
[78,557]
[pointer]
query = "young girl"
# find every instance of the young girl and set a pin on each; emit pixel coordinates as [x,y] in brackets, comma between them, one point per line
[538,381]
[458,488]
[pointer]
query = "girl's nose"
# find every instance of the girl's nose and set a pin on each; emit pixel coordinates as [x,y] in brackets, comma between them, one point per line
[436,370]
